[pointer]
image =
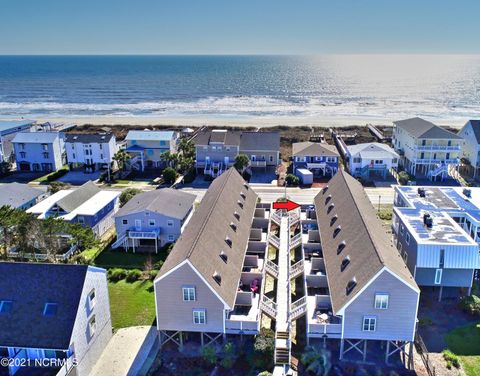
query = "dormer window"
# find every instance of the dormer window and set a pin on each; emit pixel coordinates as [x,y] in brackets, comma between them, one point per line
[92,299]
[240,203]
[242,195]
[233,226]
[341,247]
[50,309]
[330,208]
[246,186]
[217,277]
[236,215]
[337,231]
[325,189]
[351,285]
[333,220]
[345,263]
[229,241]
[327,200]
[224,257]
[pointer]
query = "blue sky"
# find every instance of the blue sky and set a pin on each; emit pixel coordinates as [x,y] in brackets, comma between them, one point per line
[239,27]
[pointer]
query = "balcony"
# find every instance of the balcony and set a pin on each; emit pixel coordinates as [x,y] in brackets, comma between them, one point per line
[262,163]
[435,161]
[321,320]
[438,147]
[143,234]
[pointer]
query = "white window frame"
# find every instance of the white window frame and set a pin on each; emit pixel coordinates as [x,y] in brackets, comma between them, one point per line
[407,238]
[199,316]
[92,326]
[92,300]
[438,276]
[190,293]
[367,321]
[152,223]
[171,238]
[381,300]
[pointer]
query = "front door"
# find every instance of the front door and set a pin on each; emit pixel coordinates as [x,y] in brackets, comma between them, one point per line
[138,224]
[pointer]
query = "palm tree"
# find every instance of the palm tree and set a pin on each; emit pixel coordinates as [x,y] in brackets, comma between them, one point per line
[317,361]
[121,157]
[170,159]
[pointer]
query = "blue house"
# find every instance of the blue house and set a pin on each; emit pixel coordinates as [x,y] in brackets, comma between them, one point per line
[8,130]
[87,205]
[54,317]
[20,196]
[319,158]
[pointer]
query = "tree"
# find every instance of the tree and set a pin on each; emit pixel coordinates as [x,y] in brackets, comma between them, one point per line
[228,355]
[169,175]
[8,228]
[403,177]
[170,159]
[127,195]
[292,180]
[56,186]
[241,162]
[317,361]
[264,347]
[5,168]
[186,148]
[209,354]
[121,157]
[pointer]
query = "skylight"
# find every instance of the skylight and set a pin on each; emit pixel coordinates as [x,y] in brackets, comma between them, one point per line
[50,309]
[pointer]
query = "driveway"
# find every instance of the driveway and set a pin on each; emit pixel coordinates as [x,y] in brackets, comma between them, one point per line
[79,177]
[21,177]
[260,176]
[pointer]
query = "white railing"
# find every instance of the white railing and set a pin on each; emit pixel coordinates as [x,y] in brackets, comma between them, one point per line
[293,218]
[435,161]
[298,308]
[43,256]
[274,240]
[268,306]
[120,241]
[434,147]
[277,218]
[271,268]
[143,234]
[296,269]
[258,163]
[296,240]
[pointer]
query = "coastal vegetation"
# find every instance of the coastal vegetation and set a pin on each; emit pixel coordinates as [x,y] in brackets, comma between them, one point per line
[127,195]
[464,343]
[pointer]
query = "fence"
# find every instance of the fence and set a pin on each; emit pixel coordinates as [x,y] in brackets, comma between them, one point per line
[423,352]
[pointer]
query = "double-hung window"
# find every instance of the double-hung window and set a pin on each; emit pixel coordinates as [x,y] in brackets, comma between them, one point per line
[369,323]
[188,293]
[381,301]
[438,276]
[199,316]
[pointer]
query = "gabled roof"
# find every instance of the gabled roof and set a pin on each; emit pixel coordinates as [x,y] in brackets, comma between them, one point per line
[17,195]
[6,125]
[204,238]
[77,197]
[366,242]
[150,135]
[29,286]
[315,149]
[89,138]
[261,141]
[169,202]
[36,137]
[225,137]
[374,149]
[475,127]
[421,128]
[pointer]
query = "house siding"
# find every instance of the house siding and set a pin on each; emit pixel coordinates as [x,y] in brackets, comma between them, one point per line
[450,277]
[217,155]
[397,322]
[76,152]
[175,314]
[34,154]
[88,349]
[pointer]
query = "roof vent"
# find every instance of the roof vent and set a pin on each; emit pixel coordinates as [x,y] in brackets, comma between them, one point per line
[240,203]
[427,220]
[224,257]
[345,263]
[421,192]
[236,215]
[333,220]
[229,241]
[217,277]
[351,285]
[330,208]
[327,200]
[341,247]
[233,226]
[467,192]
[337,231]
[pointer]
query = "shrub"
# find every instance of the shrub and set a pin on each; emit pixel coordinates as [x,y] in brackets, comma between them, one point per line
[264,347]
[189,176]
[116,274]
[265,373]
[385,215]
[152,274]
[292,179]
[56,186]
[209,354]
[471,304]
[229,355]
[403,177]
[169,175]
[133,275]
[158,265]
[451,358]
[57,174]
[127,195]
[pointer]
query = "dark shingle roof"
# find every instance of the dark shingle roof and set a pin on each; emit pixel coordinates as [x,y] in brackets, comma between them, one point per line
[308,149]
[225,137]
[17,195]
[366,242]
[169,202]
[262,141]
[73,200]
[421,128]
[29,286]
[204,238]
[89,138]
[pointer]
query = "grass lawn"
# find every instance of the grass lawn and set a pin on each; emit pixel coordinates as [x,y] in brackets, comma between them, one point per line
[465,342]
[128,260]
[131,304]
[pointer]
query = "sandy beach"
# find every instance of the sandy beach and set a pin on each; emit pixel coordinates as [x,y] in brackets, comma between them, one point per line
[258,122]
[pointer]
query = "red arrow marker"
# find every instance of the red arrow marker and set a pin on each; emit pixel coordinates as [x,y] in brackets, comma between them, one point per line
[289,205]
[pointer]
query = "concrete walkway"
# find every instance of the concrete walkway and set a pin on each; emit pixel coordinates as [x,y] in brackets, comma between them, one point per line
[283,287]
[126,352]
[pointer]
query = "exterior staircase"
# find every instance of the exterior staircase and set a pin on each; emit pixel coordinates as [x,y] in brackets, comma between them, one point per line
[440,170]
[282,348]
[120,241]
[298,308]
[297,269]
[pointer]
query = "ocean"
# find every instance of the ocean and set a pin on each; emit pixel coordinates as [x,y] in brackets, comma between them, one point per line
[344,86]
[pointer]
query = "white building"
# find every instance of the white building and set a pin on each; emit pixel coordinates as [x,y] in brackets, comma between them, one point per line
[425,148]
[371,159]
[39,151]
[8,130]
[90,151]
[471,146]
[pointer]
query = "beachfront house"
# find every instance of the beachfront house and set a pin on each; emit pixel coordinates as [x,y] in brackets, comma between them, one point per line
[150,220]
[437,232]
[371,160]
[319,158]
[216,150]
[425,149]
[55,318]
[39,151]
[214,274]
[146,148]
[358,293]
[90,152]
[470,134]
[8,130]
[20,196]
[87,205]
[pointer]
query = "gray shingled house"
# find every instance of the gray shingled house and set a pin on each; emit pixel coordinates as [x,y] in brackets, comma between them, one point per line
[153,219]
[20,196]
[210,284]
[54,311]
